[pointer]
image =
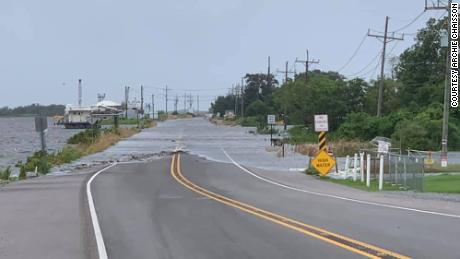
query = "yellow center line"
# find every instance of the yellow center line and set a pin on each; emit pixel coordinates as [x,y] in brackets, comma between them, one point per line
[347,243]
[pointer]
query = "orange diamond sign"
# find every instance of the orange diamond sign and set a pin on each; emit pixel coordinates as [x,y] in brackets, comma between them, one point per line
[323,162]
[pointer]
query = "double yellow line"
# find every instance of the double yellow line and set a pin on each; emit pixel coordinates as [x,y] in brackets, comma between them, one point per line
[319,233]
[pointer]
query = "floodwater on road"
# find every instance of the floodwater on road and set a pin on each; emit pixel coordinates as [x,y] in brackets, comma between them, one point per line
[200,137]
[18,138]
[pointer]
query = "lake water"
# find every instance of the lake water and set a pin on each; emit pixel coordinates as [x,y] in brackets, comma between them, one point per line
[18,138]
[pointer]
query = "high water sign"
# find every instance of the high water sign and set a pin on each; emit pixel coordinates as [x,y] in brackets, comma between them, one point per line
[323,162]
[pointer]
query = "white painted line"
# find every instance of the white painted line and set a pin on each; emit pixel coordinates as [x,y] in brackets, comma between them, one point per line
[97,229]
[339,197]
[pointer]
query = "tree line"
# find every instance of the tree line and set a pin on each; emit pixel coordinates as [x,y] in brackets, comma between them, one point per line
[33,109]
[412,107]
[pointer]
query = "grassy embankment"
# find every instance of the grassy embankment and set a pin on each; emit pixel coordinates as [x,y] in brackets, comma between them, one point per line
[84,143]
[143,123]
[443,183]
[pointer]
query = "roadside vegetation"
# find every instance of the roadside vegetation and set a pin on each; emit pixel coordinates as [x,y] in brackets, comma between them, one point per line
[373,187]
[81,144]
[444,183]
[411,113]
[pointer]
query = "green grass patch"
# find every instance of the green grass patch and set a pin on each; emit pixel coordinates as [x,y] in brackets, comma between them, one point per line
[442,183]
[374,185]
[124,121]
[436,168]
[300,135]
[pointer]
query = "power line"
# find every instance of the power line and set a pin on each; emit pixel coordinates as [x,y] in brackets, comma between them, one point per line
[411,22]
[386,40]
[366,66]
[354,53]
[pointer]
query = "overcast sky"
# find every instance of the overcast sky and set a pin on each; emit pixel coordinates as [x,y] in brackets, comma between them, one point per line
[46,45]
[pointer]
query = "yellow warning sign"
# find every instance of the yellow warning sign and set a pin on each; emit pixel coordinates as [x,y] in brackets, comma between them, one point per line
[323,162]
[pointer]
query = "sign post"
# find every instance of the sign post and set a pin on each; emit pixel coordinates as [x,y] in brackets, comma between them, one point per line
[41,125]
[321,126]
[323,162]
[271,119]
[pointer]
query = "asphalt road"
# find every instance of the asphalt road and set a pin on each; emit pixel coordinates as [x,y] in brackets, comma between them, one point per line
[145,212]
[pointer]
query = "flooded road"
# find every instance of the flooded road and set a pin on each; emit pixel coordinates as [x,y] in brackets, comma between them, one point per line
[200,137]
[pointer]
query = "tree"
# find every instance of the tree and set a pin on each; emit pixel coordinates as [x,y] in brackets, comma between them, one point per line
[421,68]
[259,87]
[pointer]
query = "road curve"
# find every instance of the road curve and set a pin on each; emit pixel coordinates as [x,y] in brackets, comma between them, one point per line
[172,209]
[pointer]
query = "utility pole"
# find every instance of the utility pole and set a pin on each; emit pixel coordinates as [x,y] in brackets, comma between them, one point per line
[235,97]
[242,95]
[190,101]
[198,103]
[285,72]
[126,100]
[142,100]
[153,106]
[175,103]
[386,39]
[269,80]
[185,102]
[445,113]
[79,92]
[307,63]
[166,90]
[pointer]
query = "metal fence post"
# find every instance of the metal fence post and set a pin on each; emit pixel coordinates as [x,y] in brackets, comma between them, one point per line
[405,172]
[368,174]
[381,172]
[355,167]
[361,166]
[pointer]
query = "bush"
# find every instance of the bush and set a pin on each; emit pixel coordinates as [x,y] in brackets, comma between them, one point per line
[301,134]
[258,108]
[249,122]
[22,173]
[85,137]
[5,174]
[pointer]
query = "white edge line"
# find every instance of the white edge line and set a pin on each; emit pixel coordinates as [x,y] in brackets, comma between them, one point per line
[102,252]
[339,197]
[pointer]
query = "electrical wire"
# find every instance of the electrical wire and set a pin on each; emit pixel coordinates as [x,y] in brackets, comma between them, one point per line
[410,23]
[354,54]
[367,66]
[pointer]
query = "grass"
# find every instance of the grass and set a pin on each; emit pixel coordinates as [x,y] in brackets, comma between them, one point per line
[436,168]
[444,183]
[85,143]
[374,185]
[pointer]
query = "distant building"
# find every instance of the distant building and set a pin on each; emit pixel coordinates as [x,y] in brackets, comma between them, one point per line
[77,117]
[83,117]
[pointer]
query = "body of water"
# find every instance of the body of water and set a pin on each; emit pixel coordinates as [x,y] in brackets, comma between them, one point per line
[18,138]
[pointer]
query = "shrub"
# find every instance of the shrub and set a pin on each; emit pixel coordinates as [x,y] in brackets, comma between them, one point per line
[85,137]
[5,174]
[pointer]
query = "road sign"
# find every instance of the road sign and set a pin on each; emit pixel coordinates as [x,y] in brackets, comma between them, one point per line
[271,119]
[321,123]
[323,162]
[41,123]
[383,146]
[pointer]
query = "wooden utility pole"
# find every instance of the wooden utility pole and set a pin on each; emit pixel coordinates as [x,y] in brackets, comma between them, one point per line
[445,114]
[307,63]
[285,72]
[386,39]
[166,104]
[126,100]
[242,96]
[153,106]
[142,100]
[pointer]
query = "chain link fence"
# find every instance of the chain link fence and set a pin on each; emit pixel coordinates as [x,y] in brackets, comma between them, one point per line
[405,171]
